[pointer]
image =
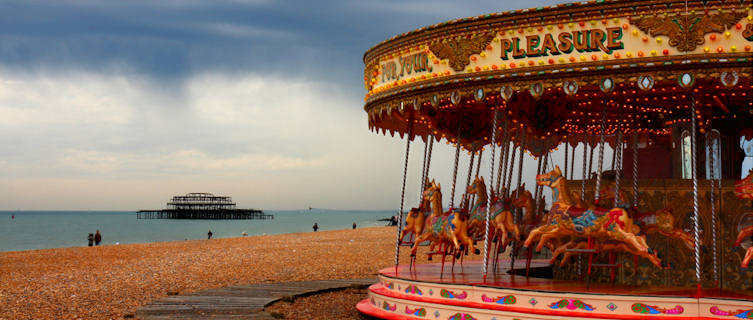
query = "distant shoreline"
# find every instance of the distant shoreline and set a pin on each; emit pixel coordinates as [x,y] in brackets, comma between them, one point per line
[39,230]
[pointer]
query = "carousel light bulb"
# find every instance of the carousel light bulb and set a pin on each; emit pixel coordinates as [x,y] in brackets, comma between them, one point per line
[583,58]
[733,48]
[635,32]
[720,49]
[727,34]
[629,54]
[658,40]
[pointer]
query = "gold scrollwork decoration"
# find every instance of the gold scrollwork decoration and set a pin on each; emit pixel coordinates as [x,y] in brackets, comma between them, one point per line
[687,33]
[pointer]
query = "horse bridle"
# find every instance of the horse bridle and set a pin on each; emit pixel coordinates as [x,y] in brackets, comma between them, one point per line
[552,179]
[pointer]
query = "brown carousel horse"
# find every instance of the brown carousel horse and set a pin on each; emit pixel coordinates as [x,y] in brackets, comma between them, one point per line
[531,219]
[501,217]
[415,221]
[744,190]
[443,227]
[524,200]
[567,220]
[663,223]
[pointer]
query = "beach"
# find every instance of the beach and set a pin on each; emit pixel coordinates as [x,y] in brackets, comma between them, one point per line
[111,282]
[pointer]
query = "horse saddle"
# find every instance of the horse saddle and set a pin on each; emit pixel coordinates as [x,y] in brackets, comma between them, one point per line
[574,211]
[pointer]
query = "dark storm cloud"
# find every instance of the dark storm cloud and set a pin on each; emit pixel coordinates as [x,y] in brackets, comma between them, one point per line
[314,39]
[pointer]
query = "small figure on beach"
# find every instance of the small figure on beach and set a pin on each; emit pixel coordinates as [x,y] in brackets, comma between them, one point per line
[354,226]
[209,234]
[91,239]
[244,233]
[97,238]
[393,221]
[316,227]
[13,216]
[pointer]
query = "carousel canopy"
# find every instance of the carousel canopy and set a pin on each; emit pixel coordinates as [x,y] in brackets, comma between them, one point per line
[555,73]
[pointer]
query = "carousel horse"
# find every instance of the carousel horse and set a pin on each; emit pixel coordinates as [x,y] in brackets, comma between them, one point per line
[524,200]
[567,220]
[501,217]
[415,221]
[663,223]
[531,219]
[744,187]
[744,190]
[744,234]
[443,227]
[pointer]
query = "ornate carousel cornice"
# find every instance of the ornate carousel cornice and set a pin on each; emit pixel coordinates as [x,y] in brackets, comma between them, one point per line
[588,12]
[463,50]
[586,75]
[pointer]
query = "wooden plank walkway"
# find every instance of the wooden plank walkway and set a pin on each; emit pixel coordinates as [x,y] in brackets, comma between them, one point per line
[238,302]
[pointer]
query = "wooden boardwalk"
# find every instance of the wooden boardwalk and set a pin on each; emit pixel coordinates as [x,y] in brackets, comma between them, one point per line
[238,302]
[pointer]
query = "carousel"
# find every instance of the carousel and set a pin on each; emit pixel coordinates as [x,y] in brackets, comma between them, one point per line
[662,230]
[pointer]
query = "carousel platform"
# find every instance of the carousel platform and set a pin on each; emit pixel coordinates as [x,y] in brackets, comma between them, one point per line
[422,293]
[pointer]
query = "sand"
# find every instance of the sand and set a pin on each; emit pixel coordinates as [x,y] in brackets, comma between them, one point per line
[111,282]
[337,305]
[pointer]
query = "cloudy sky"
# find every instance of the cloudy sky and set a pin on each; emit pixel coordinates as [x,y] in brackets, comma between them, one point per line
[119,105]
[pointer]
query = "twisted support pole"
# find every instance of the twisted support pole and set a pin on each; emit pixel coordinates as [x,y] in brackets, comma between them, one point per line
[567,146]
[423,171]
[696,218]
[711,144]
[635,170]
[468,181]
[618,170]
[489,199]
[402,195]
[601,152]
[572,163]
[455,173]
[585,173]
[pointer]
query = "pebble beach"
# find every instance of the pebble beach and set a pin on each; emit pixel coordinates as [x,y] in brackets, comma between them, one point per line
[111,282]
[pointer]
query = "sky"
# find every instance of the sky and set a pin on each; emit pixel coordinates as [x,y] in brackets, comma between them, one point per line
[120,105]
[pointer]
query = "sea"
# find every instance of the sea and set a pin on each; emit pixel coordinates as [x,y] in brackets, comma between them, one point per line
[30,230]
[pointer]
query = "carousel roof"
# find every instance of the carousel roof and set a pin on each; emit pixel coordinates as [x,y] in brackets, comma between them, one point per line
[555,73]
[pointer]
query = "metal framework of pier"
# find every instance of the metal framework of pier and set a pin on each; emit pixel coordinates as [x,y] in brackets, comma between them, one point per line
[202,206]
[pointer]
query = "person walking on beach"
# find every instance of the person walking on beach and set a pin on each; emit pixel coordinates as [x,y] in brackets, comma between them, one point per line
[354,226]
[316,227]
[209,234]
[97,238]
[91,239]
